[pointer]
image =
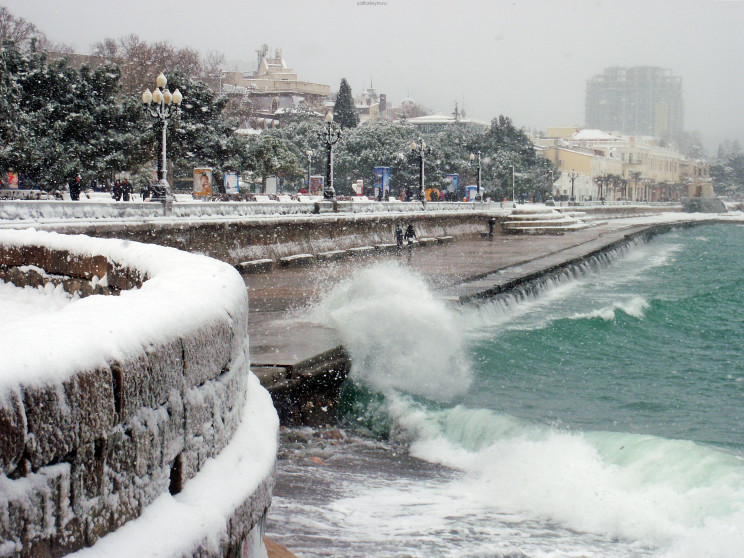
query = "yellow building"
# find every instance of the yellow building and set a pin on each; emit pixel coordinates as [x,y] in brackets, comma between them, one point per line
[582,171]
[639,168]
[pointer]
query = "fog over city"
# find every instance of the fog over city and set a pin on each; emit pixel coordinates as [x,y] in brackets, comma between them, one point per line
[526,59]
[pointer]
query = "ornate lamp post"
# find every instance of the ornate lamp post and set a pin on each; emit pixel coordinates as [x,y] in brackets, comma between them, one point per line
[161,104]
[309,154]
[330,137]
[478,168]
[572,176]
[420,150]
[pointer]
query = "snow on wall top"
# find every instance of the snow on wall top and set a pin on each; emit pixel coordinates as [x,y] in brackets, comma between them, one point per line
[183,292]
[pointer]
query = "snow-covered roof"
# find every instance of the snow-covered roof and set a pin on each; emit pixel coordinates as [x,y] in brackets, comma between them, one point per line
[440,118]
[595,135]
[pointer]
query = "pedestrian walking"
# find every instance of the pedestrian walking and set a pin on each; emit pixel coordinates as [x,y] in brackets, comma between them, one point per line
[126,190]
[399,238]
[75,187]
[116,190]
[409,236]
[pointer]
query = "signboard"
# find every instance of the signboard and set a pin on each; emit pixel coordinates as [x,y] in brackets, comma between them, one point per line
[470,193]
[316,185]
[203,182]
[382,181]
[358,187]
[272,184]
[453,182]
[232,183]
[12,180]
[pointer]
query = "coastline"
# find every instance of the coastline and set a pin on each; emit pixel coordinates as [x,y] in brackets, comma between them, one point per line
[304,373]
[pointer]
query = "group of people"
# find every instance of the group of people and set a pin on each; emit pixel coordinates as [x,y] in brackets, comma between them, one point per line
[408,236]
[122,190]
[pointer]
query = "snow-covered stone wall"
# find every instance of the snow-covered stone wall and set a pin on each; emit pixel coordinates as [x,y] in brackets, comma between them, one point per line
[20,211]
[127,400]
[238,240]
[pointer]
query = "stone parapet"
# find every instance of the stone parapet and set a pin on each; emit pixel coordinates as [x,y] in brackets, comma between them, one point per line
[114,420]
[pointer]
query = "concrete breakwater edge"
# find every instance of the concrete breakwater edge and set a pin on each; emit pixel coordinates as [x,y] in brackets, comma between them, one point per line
[305,375]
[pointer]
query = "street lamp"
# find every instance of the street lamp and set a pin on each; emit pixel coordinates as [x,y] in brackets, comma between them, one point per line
[161,104]
[420,150]
[478,168]
[330,137]
[572,176]
[309,154]
[514,196]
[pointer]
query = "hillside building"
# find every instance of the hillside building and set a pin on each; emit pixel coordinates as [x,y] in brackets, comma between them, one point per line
[274,89]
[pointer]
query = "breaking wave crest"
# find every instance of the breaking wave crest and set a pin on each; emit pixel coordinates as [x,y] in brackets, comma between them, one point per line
[399,335]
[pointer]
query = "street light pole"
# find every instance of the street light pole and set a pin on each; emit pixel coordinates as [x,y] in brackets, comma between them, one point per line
[514,196]
[330,137]
[573,175]
[309,154]
[161,104]
[478,168]
[420,150]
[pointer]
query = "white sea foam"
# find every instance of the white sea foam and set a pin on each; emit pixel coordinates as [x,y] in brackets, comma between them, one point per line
[400,336]
[634,306]
[567,295]
[679,497]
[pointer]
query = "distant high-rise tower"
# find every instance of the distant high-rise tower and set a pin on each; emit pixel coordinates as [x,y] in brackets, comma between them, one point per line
[643,100]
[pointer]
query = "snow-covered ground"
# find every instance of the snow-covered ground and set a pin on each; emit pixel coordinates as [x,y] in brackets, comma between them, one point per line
[19,304]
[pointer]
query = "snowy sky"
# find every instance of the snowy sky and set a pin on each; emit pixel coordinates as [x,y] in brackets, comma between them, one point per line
[527,59]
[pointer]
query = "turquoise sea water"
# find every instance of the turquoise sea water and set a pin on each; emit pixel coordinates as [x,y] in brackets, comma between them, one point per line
[603,416]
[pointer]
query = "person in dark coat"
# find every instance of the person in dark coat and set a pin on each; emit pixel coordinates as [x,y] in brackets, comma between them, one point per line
[409,236]
[398,238]
[75,187]
[116,190]
[126,190]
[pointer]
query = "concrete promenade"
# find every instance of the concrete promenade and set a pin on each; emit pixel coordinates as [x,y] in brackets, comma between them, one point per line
[288,351]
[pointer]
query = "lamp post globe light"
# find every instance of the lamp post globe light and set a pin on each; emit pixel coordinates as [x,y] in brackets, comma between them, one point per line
[330,137]
[572,176]
[478,169]
[420,150]
[161,104]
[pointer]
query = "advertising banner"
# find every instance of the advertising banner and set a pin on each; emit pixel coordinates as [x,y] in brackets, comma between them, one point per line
[358,187]
[453,182]
[382,181]
[203,182]
[12,180]
[232,183]
[316,185]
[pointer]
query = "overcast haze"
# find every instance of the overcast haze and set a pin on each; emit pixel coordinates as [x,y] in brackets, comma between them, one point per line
[526,59]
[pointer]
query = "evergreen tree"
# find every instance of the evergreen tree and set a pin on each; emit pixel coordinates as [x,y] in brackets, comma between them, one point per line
[56,121]
[198,135]
[344,112]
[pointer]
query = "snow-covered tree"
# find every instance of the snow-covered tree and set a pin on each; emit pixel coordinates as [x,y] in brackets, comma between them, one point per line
[728,174]
[344,112]
[68,121]
[198,135]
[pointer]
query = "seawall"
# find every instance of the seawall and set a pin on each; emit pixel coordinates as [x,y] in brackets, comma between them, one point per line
[135,408]
[306,391]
